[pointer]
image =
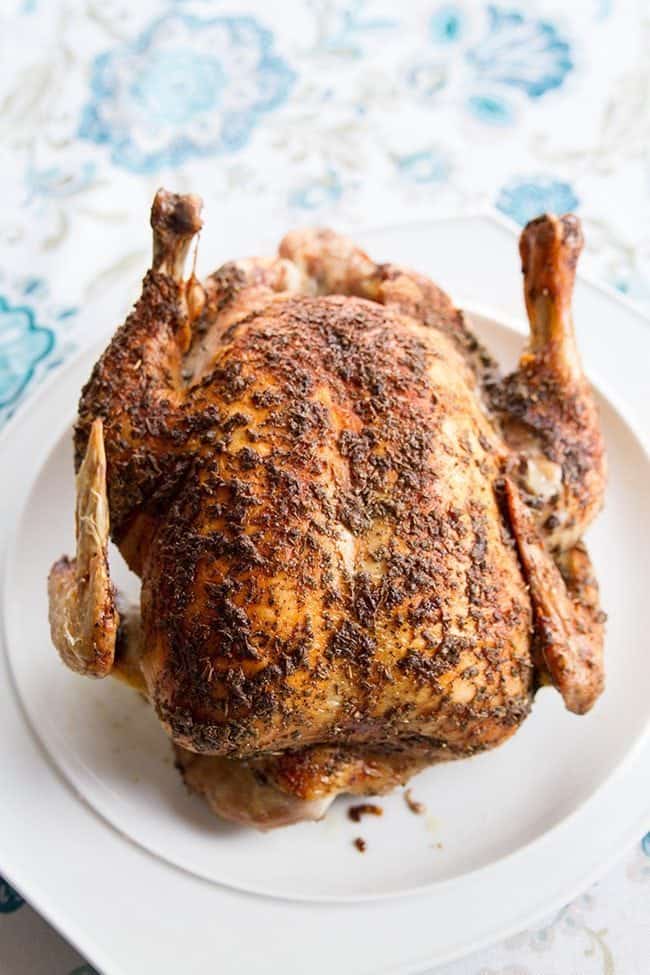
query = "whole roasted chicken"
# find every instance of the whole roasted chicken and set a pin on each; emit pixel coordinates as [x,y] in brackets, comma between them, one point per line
[360,547]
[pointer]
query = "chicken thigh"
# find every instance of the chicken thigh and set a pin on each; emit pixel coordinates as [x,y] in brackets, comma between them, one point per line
[360,548]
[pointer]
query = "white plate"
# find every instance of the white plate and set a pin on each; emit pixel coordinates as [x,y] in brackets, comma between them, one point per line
[111,747]
[511,819]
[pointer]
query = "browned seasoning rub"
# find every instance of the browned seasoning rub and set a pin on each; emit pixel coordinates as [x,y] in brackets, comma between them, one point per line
[359,545]
[360,844]
[364,809]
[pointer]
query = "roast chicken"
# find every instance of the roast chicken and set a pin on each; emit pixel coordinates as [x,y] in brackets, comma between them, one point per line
[360,547]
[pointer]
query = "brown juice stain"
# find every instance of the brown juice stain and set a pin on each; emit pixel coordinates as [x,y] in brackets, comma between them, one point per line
[432,824]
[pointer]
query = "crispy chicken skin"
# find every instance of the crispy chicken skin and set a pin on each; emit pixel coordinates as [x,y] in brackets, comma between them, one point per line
[359,547]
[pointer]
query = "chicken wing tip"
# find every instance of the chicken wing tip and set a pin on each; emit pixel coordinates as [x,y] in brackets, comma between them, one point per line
[175,221]
[548,241]
[176,213]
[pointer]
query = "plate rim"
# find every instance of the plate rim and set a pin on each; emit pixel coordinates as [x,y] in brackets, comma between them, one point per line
[11,545]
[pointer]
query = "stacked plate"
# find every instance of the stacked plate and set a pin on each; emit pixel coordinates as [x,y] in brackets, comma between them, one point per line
[99,834]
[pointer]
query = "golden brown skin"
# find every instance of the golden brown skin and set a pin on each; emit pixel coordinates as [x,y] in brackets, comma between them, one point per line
[315,471]
[295,786]
[547,410]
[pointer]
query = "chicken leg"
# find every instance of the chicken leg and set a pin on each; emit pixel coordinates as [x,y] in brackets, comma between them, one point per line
[549,418]
[547,409]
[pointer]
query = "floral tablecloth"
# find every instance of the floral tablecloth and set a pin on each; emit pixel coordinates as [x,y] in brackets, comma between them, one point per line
[339,111]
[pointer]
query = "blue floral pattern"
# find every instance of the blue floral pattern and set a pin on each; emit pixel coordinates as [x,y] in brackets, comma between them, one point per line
[186,87]
[317,193]
[10,899]
[524,199]
[447,23]
[639,869]
[52,182]
[490,108]
[348,27]
[23,345]
[521,52]
[425,166]
[516,55]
